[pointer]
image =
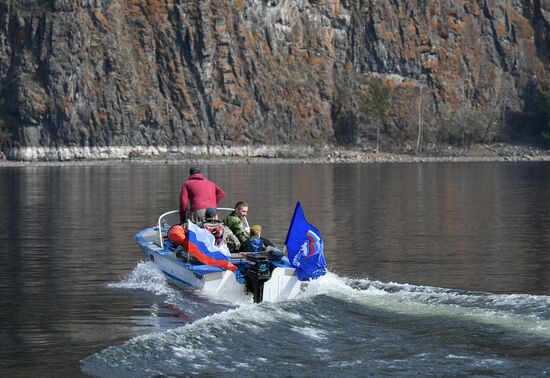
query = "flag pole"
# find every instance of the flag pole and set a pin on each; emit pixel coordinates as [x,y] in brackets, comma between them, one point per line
[291,222]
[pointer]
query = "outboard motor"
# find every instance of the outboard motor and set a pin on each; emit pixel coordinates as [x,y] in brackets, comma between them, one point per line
[256,273]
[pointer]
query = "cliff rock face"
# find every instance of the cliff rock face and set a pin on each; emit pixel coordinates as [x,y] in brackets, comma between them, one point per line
[96,73]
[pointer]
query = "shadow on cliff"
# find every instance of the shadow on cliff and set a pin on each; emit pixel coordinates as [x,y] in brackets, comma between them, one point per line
[532,123]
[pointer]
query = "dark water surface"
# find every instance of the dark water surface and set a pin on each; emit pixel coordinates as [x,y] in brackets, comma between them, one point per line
[436,269]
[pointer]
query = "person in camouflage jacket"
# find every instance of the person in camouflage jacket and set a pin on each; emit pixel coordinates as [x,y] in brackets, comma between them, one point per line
[235,221]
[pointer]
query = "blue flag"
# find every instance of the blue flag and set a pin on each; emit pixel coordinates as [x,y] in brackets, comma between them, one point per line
[305,247]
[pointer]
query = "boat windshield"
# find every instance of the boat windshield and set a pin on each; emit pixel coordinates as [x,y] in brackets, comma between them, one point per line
[172,218]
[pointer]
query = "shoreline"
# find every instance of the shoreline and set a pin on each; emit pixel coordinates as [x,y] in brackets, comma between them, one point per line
[216,155]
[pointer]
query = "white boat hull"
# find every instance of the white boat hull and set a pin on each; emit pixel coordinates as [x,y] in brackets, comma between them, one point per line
[282,285]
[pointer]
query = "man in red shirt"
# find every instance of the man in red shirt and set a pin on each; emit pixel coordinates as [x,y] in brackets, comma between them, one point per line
[197,195]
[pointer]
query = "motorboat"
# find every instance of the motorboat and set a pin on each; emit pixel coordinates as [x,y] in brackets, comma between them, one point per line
[258,275]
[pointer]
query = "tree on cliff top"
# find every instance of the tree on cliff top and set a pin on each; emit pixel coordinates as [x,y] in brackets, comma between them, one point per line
[376,103]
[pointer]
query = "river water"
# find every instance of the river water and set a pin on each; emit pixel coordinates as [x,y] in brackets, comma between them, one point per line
[438,269]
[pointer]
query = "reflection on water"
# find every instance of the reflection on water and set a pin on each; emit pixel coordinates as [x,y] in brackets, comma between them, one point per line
[66,233]
[470,226]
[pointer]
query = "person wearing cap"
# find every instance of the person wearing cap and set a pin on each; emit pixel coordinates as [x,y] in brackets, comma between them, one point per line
[221,232]
[212,214]
[198,194]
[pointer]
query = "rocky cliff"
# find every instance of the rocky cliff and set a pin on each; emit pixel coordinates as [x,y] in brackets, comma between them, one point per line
[103,73]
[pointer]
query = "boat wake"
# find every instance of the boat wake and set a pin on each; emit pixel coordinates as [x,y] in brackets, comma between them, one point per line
[519,312]
[145,276]
[186,303]
[341,326]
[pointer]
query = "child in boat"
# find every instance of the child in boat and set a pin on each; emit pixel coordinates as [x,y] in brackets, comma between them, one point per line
[255,243]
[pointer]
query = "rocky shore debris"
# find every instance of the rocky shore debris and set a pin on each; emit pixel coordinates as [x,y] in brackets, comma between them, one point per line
[265,154]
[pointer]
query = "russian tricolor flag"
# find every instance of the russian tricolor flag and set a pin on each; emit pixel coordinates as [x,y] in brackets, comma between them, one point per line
[202,246]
